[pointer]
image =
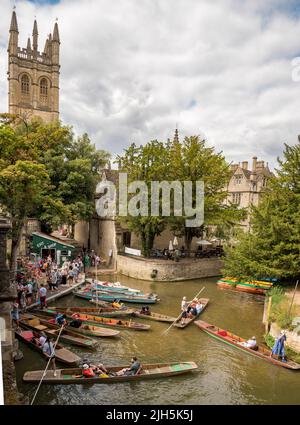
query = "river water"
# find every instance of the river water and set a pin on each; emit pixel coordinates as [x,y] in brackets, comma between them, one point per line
[225,376]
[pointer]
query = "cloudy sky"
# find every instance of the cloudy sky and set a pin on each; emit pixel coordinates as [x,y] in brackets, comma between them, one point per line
[134,69]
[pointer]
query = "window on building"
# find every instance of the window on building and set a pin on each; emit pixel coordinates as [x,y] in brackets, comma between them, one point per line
[238,179]
[236,198]
[25,86]
[44,90]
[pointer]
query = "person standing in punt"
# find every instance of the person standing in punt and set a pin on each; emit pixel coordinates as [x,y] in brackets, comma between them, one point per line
[49,352]
[278,347]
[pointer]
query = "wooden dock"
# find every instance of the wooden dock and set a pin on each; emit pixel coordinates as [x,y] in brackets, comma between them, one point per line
[62,291]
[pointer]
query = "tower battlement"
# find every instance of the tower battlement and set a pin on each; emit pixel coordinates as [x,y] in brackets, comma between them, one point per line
[33,76]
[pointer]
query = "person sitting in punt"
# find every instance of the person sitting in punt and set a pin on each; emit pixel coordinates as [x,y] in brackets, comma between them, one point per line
[76,322]
[251,343]
[61,319]
[116,304]
[191,310]
[146,311]
[133,369]
[100,368]
[87,371]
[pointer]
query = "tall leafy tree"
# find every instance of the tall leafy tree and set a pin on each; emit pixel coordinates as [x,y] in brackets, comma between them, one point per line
[272,249]
[146,163]
[46,173]
[192,160]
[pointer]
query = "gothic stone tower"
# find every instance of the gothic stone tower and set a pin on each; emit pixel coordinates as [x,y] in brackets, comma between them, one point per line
[33,76]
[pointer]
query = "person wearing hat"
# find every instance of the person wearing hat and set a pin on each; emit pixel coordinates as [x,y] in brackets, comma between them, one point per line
[87,371]
[251,343]
[278,347]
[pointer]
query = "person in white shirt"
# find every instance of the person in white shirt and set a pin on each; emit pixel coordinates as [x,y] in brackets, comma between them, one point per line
[42,339]
[251,343]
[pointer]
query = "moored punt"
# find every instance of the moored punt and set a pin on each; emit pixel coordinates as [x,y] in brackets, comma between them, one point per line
[154,316]
[92,330]
[52,330]
[188,320]
[74,376]
[111,285]
[235,341]
[242,288]
[96,311]
[90,319]
[105,296]
[62,354]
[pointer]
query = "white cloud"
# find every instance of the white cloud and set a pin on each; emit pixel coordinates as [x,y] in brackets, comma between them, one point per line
[132,69]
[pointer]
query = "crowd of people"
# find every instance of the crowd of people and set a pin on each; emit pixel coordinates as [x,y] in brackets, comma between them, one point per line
[35,279]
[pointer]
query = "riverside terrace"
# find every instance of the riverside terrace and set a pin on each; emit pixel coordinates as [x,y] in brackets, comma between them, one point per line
[160,269]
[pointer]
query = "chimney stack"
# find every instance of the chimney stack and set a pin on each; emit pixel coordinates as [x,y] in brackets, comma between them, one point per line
[245,165]
[254,163]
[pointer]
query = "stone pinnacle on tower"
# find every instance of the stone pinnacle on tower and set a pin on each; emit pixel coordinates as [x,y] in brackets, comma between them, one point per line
[14,23]
[35,35]
[28,45]
[176,136]
[56,33]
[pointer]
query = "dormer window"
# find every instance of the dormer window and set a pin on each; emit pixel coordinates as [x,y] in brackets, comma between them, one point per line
[238,179]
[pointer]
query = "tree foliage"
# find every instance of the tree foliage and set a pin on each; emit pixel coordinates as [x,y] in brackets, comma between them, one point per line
[272,249]
[46,173]
[190,160]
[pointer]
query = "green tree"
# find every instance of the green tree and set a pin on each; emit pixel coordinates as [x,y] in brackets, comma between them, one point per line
[146,163]
[69,167]
[272,248]
[192,160]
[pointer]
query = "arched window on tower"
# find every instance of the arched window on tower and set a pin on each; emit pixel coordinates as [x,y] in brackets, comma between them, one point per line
[25,87]
[44,91]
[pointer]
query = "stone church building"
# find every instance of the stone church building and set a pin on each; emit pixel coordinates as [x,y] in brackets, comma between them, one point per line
[33,75]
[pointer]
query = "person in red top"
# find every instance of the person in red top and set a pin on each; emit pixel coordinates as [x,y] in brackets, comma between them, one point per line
[88,371]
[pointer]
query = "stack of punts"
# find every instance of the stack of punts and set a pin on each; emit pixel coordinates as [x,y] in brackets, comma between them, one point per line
[96,311]
[158,317]
[114,286]
[109,296]
[256,287]
[74,376]
[51,330]
[62,354]
[189,320]
[88,329]
[90,319]
[237,342]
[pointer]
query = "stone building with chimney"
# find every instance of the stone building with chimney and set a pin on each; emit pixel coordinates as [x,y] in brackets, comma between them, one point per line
[33,76]
[247,184]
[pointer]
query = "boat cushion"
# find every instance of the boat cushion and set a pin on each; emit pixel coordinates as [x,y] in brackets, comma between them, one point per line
[222,333]
[41,327]
[28,335]
[33,322]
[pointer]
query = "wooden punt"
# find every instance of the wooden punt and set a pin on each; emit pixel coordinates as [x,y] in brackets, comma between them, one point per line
[257,283]
[120,294]
[235,341]
[116,286]
[242,288]
[74,376]
[204,302]
[154,316]
[89,319]
[96,311]
[62,354]
[90,330]
[104,296]
[50,329]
